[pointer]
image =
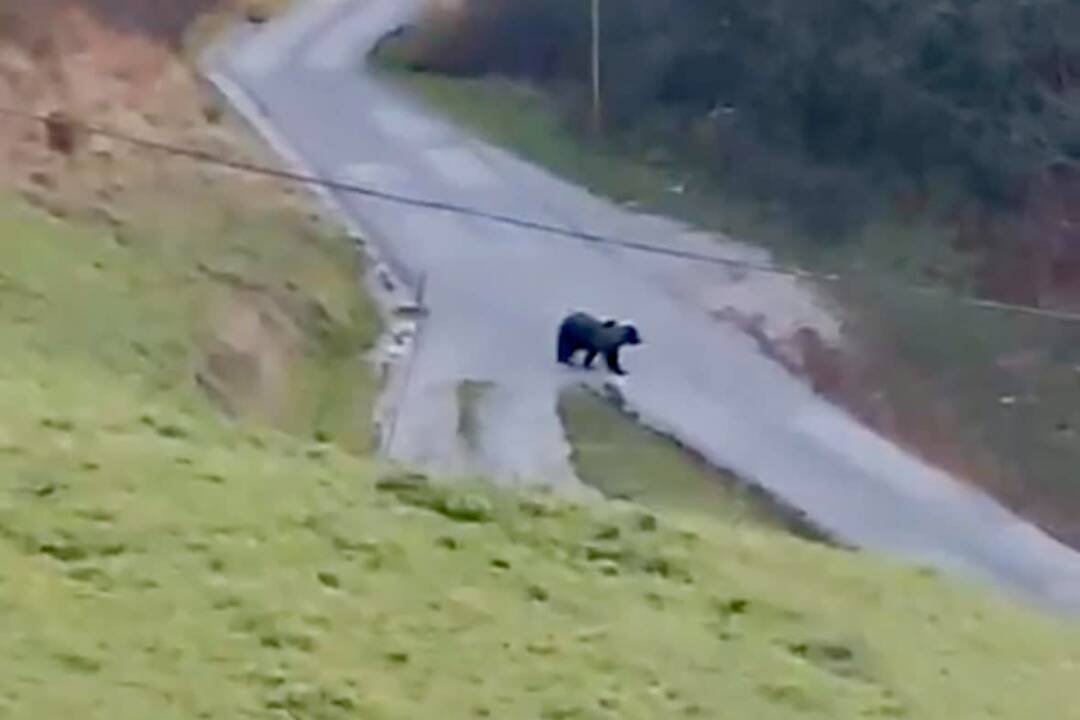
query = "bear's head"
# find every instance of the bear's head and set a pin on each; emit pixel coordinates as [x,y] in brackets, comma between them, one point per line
[630,334]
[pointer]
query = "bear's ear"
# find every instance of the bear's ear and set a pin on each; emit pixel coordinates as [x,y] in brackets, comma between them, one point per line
[609,323]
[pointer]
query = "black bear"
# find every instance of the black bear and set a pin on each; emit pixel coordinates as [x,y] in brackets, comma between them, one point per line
[582,331]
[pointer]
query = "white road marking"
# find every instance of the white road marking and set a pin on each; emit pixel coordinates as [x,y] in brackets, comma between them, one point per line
[460,166]
[378,175]
[403,125]
[270,47]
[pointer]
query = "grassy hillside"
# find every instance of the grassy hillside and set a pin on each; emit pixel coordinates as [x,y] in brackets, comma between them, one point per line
[258,308]
[160,561]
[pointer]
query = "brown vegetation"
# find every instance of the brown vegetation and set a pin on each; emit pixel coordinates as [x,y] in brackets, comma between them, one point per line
[264,333]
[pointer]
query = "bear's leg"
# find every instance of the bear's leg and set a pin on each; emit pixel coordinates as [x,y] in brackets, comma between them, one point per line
[612,358]
[589,357]
[566,348]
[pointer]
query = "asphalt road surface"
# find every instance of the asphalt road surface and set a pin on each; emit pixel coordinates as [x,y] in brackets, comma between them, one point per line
[496,294]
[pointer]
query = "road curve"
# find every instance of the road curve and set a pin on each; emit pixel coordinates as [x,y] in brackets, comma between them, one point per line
[497,292]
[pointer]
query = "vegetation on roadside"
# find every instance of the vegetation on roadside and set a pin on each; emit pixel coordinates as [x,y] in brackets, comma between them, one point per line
[624,460]
[829,110]
[162,561]
[222,14]
[990,395]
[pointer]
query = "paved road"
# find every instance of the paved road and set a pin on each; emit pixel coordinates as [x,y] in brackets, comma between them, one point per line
[497,293]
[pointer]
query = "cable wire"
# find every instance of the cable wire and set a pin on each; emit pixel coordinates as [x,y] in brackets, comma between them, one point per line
[203,156]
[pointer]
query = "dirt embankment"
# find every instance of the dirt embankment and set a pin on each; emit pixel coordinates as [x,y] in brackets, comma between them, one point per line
[125,65]
[115,62]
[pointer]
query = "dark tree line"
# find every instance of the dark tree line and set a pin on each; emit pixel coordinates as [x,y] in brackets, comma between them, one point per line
[984,92]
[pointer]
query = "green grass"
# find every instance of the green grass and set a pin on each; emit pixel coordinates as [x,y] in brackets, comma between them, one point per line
[169,285]
[627,461]
[161,562]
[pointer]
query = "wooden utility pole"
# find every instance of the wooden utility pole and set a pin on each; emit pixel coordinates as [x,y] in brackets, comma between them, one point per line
[596,65]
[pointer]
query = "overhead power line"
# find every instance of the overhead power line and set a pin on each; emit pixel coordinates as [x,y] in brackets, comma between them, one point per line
[207,157]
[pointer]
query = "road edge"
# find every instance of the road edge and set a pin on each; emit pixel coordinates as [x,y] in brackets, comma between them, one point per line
[397,295]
